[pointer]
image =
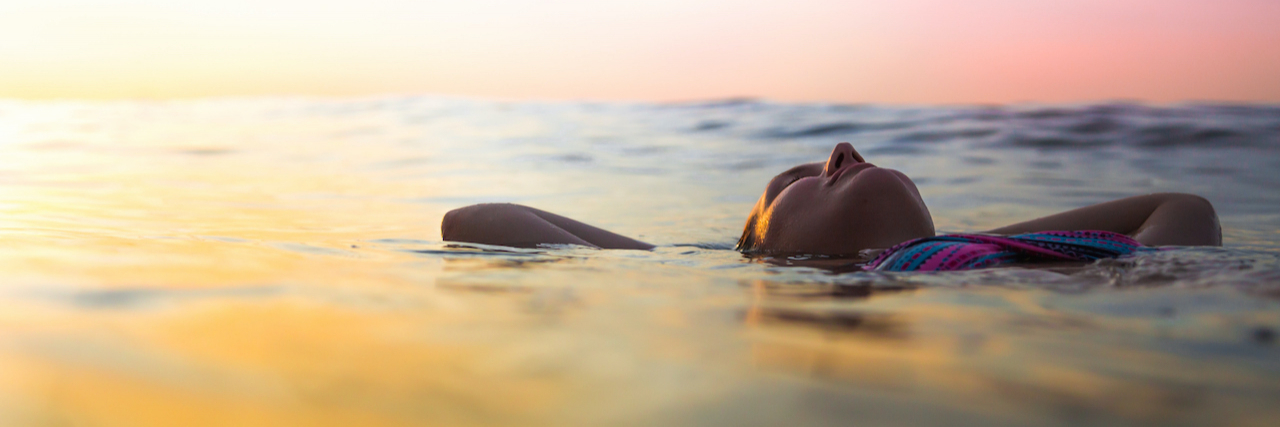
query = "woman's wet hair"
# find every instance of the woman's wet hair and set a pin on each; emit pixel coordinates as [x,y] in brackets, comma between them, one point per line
[749,242]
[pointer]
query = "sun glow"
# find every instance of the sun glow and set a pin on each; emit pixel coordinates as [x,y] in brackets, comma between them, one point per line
[915,51]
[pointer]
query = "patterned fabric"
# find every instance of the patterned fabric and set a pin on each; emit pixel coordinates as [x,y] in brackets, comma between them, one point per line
[969,251]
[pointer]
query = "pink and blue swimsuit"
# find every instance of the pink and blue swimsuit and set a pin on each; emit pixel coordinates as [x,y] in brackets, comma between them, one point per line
[969,251]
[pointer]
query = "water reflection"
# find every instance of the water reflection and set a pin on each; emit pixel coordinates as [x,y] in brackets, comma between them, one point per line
[278,262]
[943,342]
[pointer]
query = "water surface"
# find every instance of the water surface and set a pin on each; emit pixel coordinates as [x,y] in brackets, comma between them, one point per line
[278,262]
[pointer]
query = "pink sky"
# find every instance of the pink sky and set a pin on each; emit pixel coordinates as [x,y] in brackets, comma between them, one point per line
[907,51]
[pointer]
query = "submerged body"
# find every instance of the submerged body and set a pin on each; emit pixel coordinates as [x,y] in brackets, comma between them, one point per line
[969,251]
[846,206]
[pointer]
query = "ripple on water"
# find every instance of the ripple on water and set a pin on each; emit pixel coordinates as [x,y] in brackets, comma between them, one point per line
[137,298]
[831,129]
[280,259]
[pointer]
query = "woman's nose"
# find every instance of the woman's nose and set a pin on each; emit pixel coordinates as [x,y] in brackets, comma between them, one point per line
[842,155]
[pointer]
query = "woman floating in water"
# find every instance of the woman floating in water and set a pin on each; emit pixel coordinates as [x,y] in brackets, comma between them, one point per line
[847,207]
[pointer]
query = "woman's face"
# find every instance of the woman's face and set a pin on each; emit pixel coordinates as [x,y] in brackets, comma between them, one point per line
[839,207]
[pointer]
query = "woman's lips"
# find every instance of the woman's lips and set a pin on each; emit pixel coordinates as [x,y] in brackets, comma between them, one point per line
[856,167]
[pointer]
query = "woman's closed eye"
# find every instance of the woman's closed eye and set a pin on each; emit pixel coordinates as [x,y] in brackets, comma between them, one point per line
[788,182]
[791,177]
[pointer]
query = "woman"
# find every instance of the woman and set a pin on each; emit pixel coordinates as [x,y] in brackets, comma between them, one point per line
[846,206]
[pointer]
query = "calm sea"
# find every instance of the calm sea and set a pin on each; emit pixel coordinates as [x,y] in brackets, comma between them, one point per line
[278,262]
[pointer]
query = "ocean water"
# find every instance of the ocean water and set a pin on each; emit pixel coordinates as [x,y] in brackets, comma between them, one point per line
[278,262]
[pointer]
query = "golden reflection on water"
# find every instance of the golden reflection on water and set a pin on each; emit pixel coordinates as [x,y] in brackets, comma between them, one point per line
[1007,366]
[278,363]
[193,225]
[191,273]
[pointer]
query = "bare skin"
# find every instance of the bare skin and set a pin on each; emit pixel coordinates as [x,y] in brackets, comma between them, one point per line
[519,226]
[838,207]
[1161,219]
[844,206]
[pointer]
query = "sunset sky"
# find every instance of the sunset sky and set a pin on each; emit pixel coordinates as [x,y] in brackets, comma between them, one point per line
[905,51]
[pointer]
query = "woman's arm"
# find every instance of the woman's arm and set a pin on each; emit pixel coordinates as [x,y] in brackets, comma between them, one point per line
[1154,220]
[522,226]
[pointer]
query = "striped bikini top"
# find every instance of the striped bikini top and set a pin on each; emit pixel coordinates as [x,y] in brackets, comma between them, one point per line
[953,252]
